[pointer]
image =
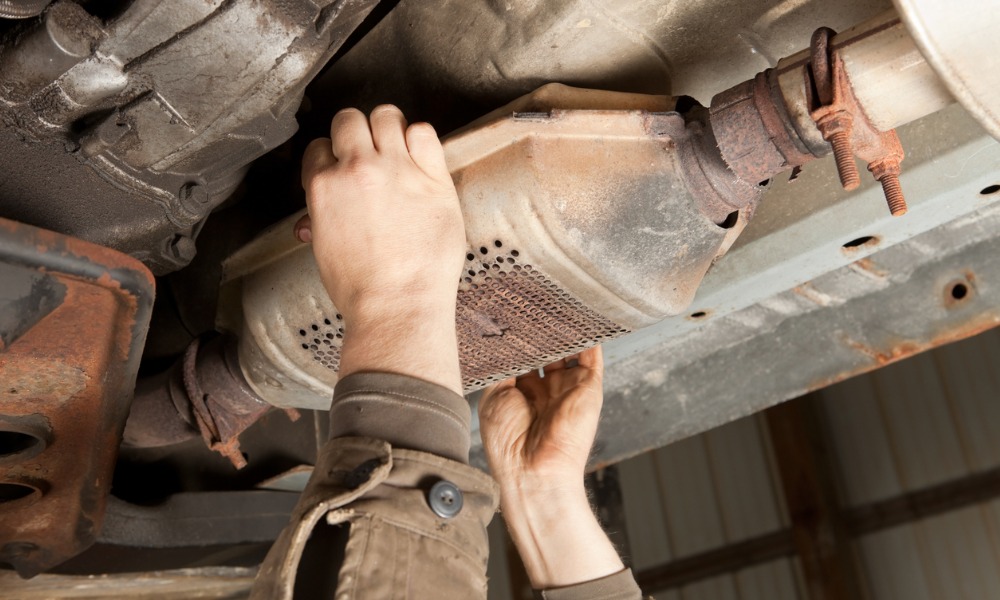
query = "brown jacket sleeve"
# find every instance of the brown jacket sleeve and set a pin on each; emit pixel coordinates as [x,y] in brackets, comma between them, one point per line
[404,411]
[619,586]
[394,438]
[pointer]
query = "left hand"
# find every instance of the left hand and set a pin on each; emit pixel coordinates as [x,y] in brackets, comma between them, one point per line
[537,432]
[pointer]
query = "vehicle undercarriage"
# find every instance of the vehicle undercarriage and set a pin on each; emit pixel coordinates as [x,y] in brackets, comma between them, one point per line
[675,180]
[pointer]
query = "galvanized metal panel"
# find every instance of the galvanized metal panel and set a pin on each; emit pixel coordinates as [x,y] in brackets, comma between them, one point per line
[770,581]
[953,556]
[740,472]
[917,423]
[644,519]
[970,375]
[690,501]
[860,447]
[717,588]
[921,433]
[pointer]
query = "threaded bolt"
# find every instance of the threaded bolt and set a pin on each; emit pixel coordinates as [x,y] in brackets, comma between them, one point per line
[893,194]
[844,157]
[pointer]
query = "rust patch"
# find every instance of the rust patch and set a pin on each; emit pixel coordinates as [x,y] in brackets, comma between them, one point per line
[753,130]
[512,319]
[807,291]
[880,357]
[73,370]
[958,291]
[842,122]
[869,269]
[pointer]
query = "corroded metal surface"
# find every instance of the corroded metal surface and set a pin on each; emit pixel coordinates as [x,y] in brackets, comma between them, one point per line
[588,213]
[204,394]
[128,126]
[755,134]
[843,122]
[66,385]
[511,317]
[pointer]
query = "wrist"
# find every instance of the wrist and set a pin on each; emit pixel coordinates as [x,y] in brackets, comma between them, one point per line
[417,339]
[558,536]
[371,310]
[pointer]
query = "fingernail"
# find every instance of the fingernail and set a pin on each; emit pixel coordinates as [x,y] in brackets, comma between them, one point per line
[304,234]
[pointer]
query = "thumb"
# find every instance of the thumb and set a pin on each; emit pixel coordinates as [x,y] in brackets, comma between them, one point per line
[303,229]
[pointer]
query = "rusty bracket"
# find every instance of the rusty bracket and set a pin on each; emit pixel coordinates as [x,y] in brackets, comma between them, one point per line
[73,321]
[842,122]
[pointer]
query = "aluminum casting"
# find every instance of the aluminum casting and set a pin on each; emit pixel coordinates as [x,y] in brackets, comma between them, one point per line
[150,120]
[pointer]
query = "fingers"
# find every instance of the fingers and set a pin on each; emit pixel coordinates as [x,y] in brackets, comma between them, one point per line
[495,398]
[318,156]
[592,359]
[303,229]
[491,391]
[559,365]
[426,151]
[350,134]
[388,129]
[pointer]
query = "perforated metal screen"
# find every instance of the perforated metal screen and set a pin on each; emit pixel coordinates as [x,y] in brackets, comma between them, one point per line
[510,319]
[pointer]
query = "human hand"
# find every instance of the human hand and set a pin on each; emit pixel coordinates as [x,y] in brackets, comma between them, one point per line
[537,433]
[384,218]
[387,232]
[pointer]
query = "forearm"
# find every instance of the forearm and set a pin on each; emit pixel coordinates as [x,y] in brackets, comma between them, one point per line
[414,337]
[399,380]
[557,536]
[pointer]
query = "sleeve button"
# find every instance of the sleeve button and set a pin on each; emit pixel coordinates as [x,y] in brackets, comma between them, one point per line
[445,499]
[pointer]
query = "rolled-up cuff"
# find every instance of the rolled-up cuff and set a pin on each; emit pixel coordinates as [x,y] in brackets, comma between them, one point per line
[618,586]
[405,411]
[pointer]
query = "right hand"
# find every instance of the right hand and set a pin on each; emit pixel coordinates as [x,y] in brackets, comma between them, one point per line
[387,232]
[384,217]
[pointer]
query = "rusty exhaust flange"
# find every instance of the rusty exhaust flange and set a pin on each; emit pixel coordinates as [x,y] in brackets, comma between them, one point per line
[754,132]
[204,394]
[73,321]
[843,123]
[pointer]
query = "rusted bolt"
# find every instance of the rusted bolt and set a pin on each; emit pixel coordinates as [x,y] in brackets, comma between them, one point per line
[887,172]
[844,157]
[835,126]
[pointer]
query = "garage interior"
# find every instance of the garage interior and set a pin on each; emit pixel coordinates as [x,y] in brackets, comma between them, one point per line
[802,396]
[883,486]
